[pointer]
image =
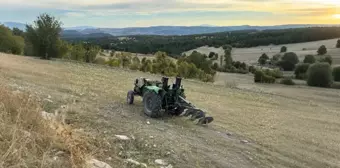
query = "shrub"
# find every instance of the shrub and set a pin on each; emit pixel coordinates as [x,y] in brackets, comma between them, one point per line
[227,47]
[134,66]
[10,43]
[287,81]
[100,61]
[336,73]
[211,55]
[243,66]
[338,44]
[288,61]
[283,49]
[327,59]
[275,59]
[113,62]
[276,73]
[320,74]
[215,66]
[263,59]
[112,53]
[309,59]
[261,77]
[322,50]
[301,70]
[252,69]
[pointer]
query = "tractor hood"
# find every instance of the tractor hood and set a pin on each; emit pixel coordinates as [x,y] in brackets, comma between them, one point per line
[154,88]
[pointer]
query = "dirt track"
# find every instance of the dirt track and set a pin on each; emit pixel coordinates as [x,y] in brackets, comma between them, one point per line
[284,126]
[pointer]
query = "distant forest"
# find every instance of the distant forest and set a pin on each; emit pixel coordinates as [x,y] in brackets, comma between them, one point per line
[175,45]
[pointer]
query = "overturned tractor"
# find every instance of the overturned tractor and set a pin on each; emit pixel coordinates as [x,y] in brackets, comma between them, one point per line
[159,98]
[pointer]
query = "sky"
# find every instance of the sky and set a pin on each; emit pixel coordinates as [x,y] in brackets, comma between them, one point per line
[142,13]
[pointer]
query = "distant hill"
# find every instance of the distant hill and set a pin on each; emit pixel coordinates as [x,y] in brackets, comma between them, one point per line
[11,25]
[187,30]
[168,30]
[74,34]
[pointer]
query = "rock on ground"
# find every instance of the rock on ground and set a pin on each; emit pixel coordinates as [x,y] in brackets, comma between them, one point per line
[122,137]
[94,163]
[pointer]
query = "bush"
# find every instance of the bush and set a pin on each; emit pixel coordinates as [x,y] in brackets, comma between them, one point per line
[252,69]
[309,59]
[261,77]
[338,44]
[288,61]
[100,61]
[283,49]
[287,81]
[336,73]
[275,59]
[215,66]
[320,75]
[10,43]
[113,62]
[301,71]
[322,50]
[263,59]
[211,55]
[327,59]
[276,73]
[134,66]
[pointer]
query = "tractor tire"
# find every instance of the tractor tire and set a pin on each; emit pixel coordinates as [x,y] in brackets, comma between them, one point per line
[130,97]
[152,104]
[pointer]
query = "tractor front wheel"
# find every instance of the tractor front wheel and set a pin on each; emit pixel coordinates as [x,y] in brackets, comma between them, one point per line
[130,97]
[152,104]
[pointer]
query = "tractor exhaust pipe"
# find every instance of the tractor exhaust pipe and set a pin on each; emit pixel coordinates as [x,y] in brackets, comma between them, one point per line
[165,81]
[178,82]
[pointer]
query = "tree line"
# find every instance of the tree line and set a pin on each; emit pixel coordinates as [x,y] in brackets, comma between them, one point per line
[175,45]
[42,39]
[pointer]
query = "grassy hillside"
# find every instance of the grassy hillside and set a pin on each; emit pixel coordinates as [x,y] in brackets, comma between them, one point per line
[255,125]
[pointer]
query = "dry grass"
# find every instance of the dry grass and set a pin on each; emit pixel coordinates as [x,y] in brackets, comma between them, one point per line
[286,126]
[28,140]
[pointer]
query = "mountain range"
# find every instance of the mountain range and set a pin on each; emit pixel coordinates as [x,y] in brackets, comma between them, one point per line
[90,31]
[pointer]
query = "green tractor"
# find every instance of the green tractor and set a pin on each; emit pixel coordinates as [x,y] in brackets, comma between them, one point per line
[160,98]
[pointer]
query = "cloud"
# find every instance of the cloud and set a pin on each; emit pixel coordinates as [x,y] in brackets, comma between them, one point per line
[75,14]
[120,13]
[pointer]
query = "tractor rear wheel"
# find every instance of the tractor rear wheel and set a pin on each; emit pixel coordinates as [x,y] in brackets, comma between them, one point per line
[152,104]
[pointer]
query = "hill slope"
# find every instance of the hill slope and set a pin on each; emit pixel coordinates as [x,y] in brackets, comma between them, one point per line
[255,125]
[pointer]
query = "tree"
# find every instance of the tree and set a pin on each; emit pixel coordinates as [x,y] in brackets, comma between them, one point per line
[301,70]
[227,47]
[322,50]
[228,60]
[309,59]
[91,52]
[338,44]
[263,59]
[283,49]
[78,52]
[215,66]
[44,35]
[327,59]
[10,43]
[17,32]
[288,61]
[336,73]
[320,75]
[211,55]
